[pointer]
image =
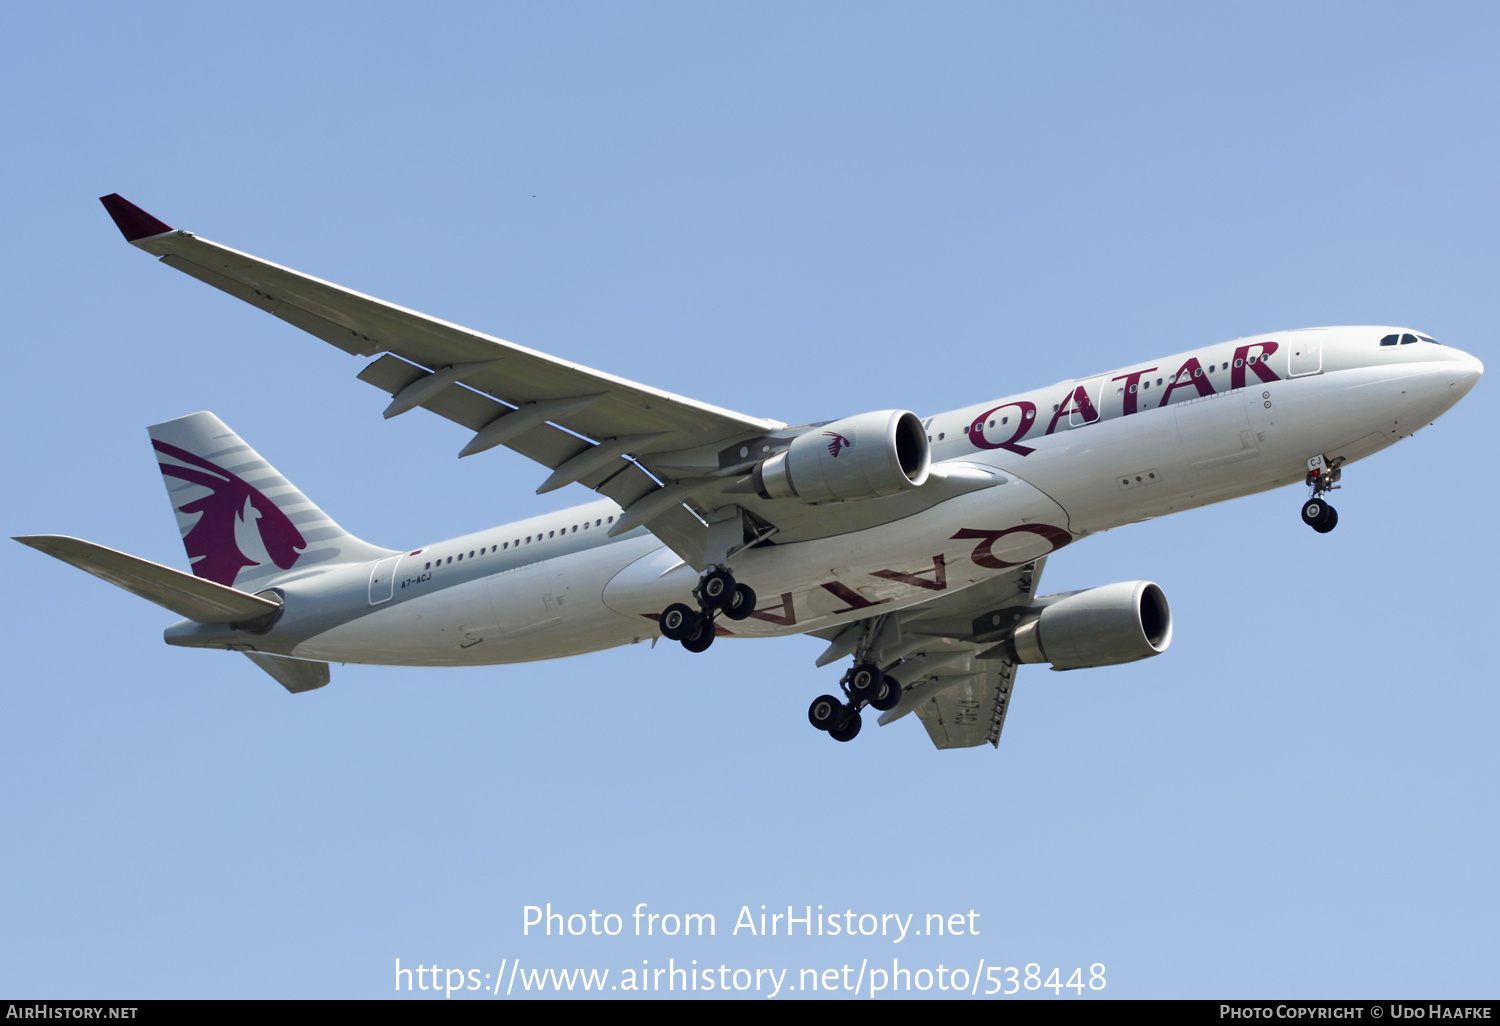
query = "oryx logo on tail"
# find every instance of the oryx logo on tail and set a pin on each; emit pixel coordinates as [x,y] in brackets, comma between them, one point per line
[231,507]
[839,443]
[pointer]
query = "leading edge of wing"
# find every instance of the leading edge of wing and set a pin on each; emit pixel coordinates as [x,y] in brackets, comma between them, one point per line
[156,237]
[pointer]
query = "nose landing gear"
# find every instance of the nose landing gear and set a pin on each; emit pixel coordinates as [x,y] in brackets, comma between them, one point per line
[863,685]
[1322,477]
[717,592]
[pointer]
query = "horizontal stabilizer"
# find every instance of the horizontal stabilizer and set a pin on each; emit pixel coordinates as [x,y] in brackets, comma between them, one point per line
[293,674]
[196,598]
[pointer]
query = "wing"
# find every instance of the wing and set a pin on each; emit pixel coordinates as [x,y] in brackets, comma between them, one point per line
[964,710]
[955,672]
[585,425]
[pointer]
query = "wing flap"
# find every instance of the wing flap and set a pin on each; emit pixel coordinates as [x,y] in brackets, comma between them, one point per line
[349,340]
[966,710]
[953,675]
[547,445]
[244,293]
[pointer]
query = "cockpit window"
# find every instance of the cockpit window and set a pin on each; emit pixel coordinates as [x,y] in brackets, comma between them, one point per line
[1434,341]
[1408,339]
[1389,340]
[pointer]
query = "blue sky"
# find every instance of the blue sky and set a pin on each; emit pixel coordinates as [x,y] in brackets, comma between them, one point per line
[799,212]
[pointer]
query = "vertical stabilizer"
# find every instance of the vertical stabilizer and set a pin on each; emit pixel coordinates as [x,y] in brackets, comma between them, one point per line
[243,524]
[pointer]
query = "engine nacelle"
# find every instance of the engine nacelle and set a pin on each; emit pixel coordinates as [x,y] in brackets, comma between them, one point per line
[1118,623]
[861,457]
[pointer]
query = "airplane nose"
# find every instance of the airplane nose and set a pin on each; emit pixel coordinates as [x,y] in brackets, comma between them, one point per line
[1469,371]
[1435,388]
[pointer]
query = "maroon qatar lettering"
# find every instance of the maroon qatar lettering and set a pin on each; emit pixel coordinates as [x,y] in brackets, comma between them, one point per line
[1023,424]
[785,618]
[984,555]
[1077,400]
[847,594]
[1257,362]
[1132,381]
[938,581]
[1190,373]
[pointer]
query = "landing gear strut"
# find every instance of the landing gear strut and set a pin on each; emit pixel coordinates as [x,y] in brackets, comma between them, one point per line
[717,592]
[863,685]
[1322,477]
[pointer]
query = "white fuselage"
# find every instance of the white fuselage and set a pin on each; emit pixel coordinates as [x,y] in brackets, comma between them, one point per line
[1027,474]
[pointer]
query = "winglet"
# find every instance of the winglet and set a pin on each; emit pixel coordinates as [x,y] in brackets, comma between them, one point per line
[133,222]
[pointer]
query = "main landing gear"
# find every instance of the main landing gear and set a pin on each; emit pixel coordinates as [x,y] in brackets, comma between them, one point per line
[716,593]
[863,685]
[1322,477]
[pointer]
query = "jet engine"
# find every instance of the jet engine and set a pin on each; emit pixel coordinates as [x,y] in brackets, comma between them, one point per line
[861,457]
[1117,623]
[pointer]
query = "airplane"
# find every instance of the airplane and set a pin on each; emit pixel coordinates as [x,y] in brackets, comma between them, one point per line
[913,546]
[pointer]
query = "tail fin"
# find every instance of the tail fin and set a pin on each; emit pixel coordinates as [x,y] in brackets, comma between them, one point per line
[243,523]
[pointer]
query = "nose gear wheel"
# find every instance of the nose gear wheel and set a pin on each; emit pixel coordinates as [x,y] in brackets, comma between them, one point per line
[1322,477]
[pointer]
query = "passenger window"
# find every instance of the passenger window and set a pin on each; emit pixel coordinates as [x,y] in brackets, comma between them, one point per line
[1407,340]
[460,557]
[427,567]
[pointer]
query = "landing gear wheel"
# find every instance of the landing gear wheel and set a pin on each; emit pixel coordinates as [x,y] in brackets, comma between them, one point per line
[677,621]
[701,637]
[825,712]
[848,730]
[1314,512]
[864,681]
[887,695]
[717,589]
[1329,522]
[743,603]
